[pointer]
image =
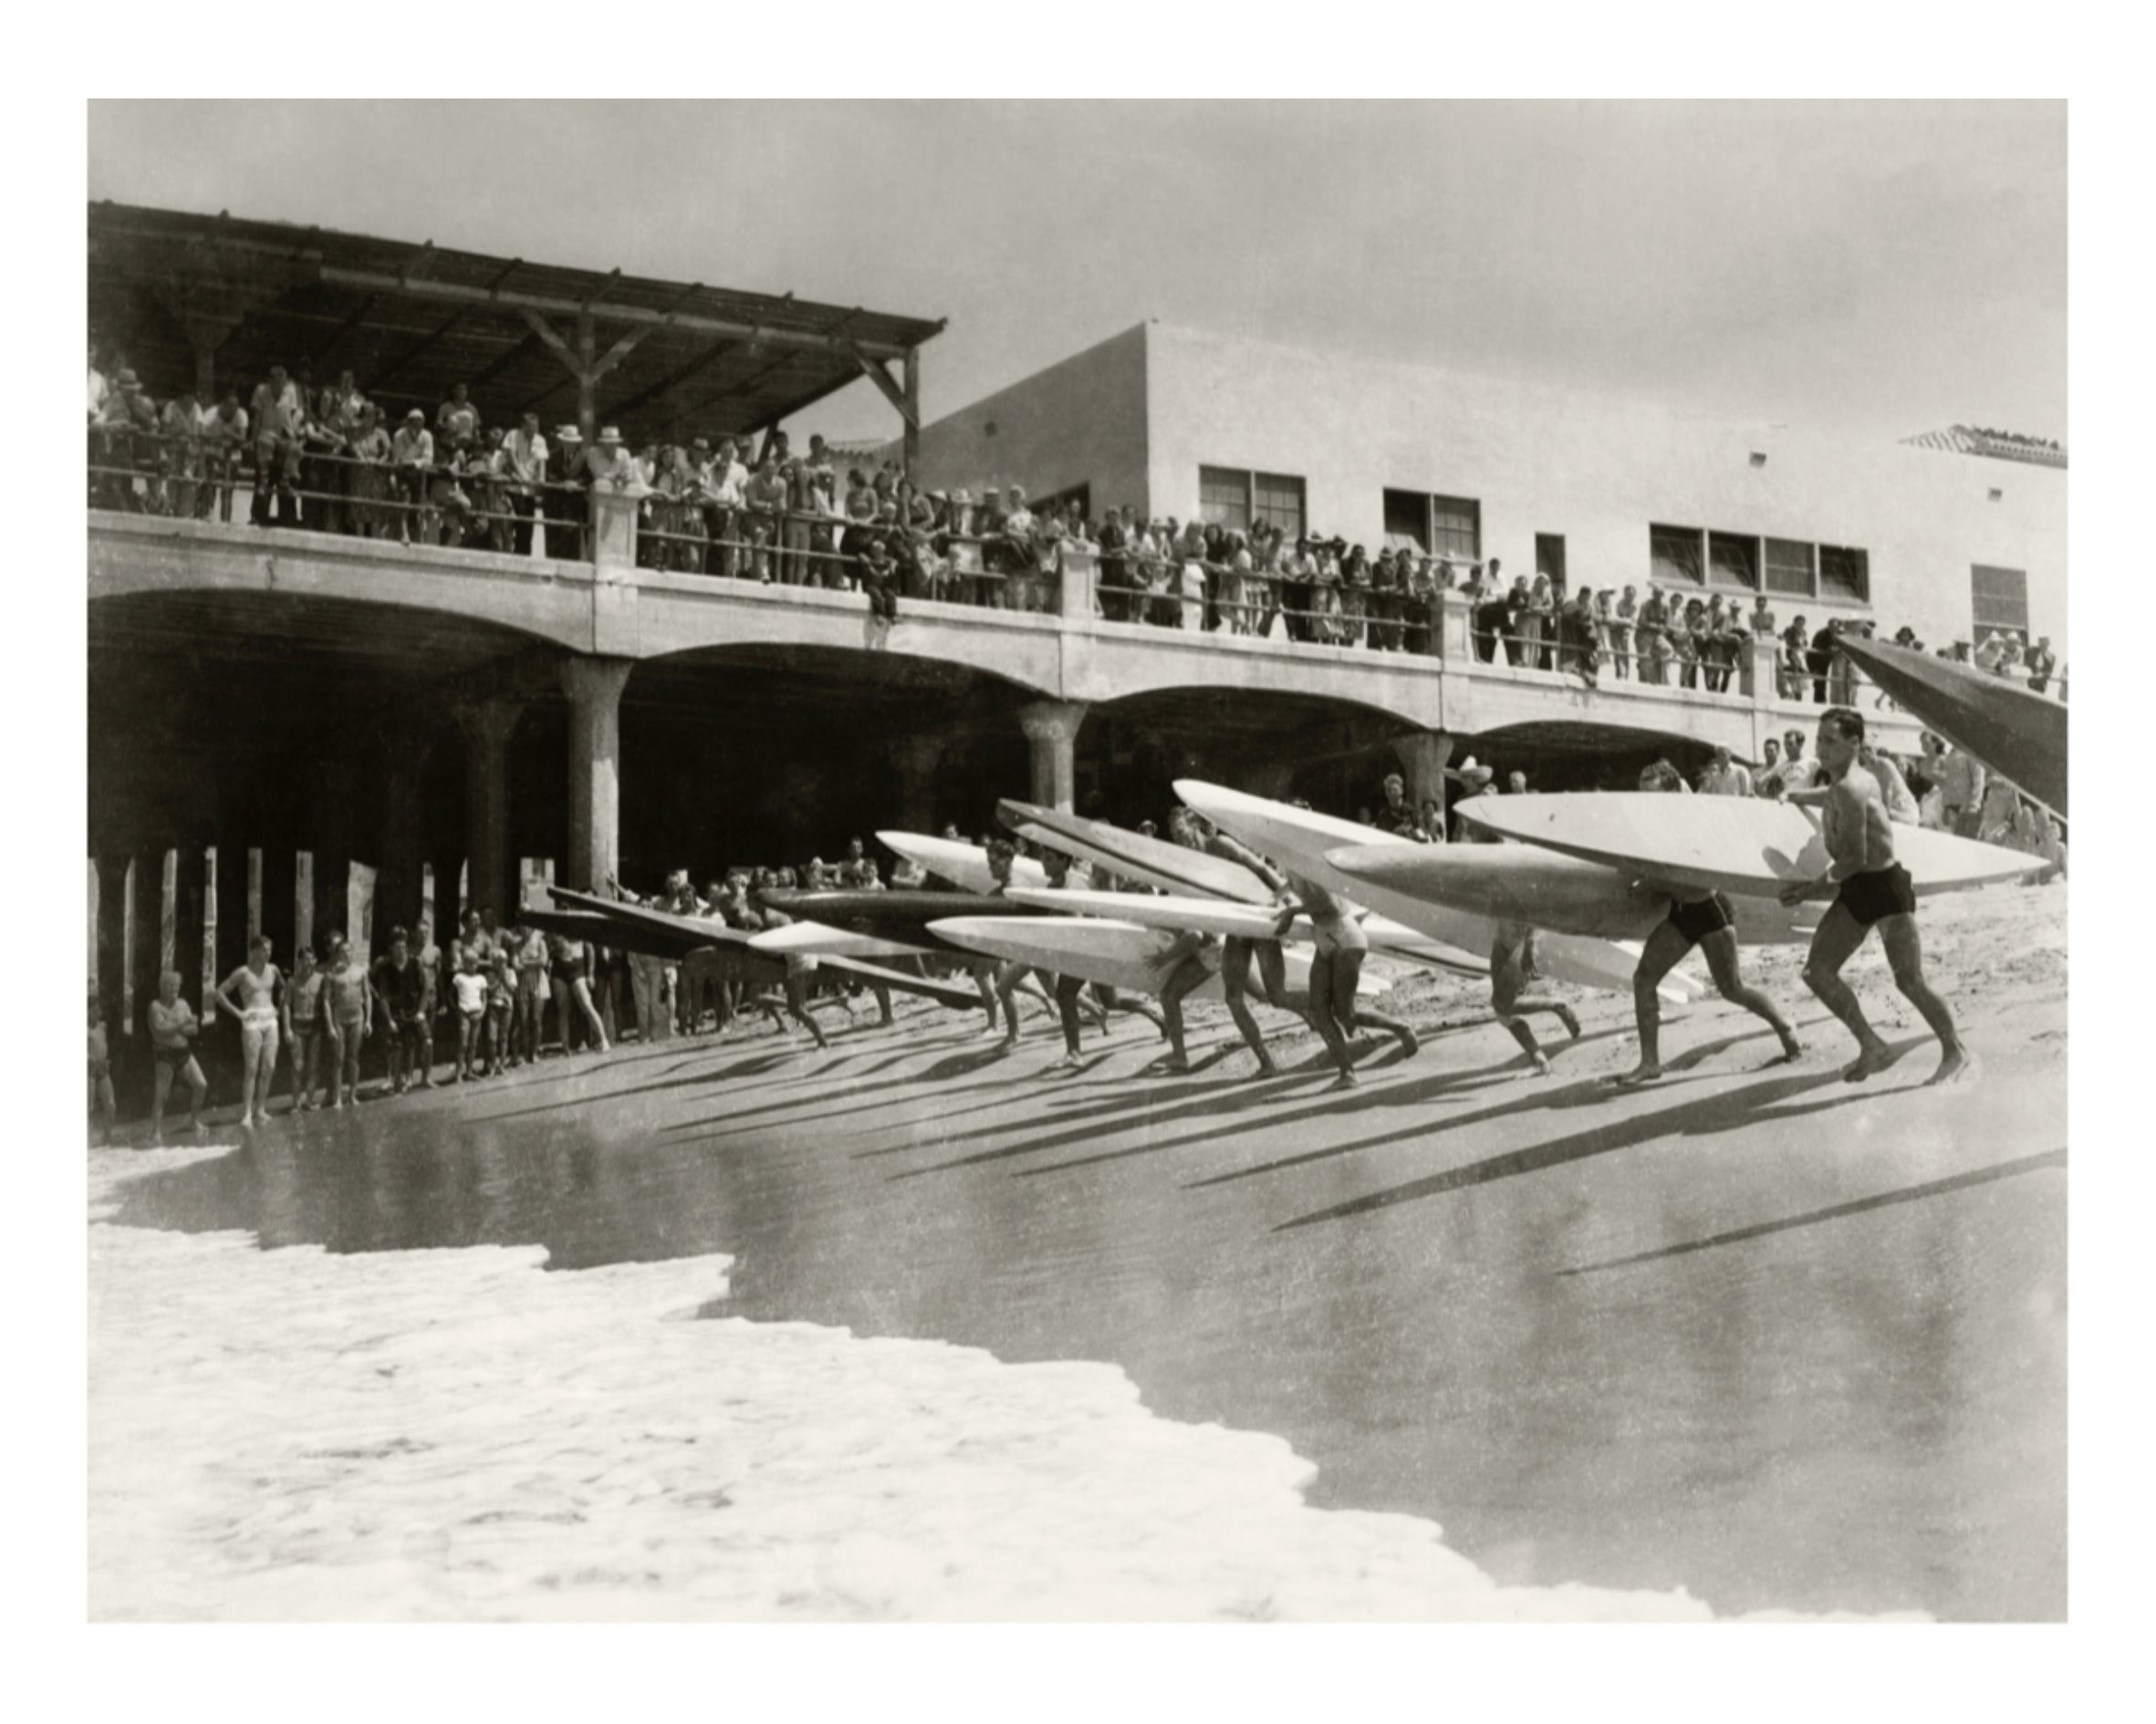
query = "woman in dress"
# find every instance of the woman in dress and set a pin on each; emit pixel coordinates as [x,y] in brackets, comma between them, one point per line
[373,517]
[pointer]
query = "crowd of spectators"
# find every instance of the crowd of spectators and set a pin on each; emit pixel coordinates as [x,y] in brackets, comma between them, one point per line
[332,460]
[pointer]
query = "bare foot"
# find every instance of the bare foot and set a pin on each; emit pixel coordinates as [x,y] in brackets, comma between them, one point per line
[1266,1068]
[1570,1020]
[1540,1062]
[1171,1064]
[1954,1063]
[1792,1049]
[1639,1077]
[1346,1080]
[1871,1059]
[1069,1062]
[1408,1044]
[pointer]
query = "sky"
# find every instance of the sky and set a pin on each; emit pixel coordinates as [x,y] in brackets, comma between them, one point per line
[1884,269]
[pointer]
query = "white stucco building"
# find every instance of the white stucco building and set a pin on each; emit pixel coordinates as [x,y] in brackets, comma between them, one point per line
[1948,533]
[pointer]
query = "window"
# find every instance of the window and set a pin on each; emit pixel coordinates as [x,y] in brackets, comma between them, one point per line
[1998,599]
[1223,495]
[1733,560]
[1407,520]
[1279,503]
[1674,555]
[1456,528]
[1844,574]
[1549,557]
[1790,568]
[1238,499]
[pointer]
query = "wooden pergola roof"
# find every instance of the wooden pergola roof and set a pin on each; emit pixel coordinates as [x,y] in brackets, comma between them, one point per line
[190,298]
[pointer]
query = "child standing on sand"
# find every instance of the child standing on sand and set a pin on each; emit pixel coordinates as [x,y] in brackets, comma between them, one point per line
[103,1108]
[501,999]
[470,1011]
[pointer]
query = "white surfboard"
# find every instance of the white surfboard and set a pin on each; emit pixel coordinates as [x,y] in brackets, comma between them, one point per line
[1183,872]
[819,940]
[1740,845]
[1299,839]
[965,866]
[1245,921]
[1546,889]
[1117,954]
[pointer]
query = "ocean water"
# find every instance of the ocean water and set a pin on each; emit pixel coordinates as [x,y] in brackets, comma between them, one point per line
[455,1435]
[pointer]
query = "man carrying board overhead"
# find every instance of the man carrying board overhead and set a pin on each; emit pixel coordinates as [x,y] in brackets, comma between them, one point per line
[1869,888]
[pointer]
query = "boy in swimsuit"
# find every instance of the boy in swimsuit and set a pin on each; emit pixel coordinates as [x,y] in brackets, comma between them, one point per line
[1335,968]
[1707,922]
[258,981]
[102,1106]
[172,1029]
[350,1016]
[501,1002]
[302,1024]
[1870,889]
[470,1011]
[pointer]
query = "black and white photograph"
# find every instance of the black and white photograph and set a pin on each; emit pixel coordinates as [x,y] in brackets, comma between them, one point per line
[1174,861]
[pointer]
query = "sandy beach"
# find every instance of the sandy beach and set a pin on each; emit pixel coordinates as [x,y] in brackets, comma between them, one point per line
[738,1329]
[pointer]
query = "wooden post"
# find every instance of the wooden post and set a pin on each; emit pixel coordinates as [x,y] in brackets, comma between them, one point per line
[255,896]
[209,927]
[127,949]
[168,926]
[426,902]
[586,380]
[303,901]
[912,414]
[93,924]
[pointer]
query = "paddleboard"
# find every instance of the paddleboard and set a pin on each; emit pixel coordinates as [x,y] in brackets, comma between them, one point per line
[1172,867]
[1299,839]
[2008,726]
[604,930]
[1742,846]
[900,919]
[697,933]
[819,940]
[1523,883]
[1246,921]
[1116,954]
[965,866]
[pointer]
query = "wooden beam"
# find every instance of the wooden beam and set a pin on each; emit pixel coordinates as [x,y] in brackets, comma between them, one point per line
[495,366]
[913,445]
[345,329]
[886,385]
[555,344]
[555,305]
[678,375]
[417,348]
[417,258]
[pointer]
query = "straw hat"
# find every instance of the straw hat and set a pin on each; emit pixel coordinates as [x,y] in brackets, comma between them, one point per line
[1470,771]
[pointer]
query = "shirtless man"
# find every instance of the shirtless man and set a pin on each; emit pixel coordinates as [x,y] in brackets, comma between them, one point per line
[399,985]
[103,1108]
[1195,831]
[1334,967]
[1067,991]
[257,982]
[1869,888]
[349,1017]
[173,1030]
[1704,921]
[302,1024]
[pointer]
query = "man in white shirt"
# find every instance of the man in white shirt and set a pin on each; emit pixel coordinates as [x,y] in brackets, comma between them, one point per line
[411,454]
[278,416]
[1725,777]
[525,452]
[725,489]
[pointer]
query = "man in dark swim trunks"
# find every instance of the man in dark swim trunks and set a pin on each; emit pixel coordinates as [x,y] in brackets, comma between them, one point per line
[1870,889]
[1706,922]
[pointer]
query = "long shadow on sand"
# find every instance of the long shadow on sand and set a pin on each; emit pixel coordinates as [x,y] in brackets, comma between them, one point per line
[1835,1213]
[1707,1116]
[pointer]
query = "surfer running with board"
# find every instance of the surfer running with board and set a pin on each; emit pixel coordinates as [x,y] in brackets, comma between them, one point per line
[1195,831]
[1706,922]
[1335,968]
[1871,889]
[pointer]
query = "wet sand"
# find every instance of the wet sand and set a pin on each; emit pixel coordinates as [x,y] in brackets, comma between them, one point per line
[1778,1341]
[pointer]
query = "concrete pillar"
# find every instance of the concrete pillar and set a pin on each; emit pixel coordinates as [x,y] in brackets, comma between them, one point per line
[1423,758]
[594,688]
[913,761]
[1455,636]
[405,750]
[330,792]
[487,726]
[1756,675]
[613,530]
[1051,730]
[1080,576]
